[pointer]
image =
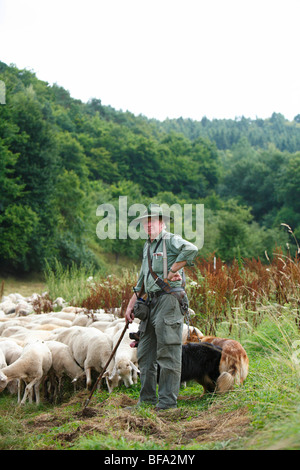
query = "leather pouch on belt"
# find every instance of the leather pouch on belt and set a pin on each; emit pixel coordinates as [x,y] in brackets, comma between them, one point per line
[141,310]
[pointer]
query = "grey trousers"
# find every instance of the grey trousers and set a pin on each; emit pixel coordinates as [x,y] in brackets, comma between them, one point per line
[160,343]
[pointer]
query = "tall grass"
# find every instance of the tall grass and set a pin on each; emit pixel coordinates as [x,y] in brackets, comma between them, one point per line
[220,292]
[111,292]
[237,293]
[81,287]
[72,283]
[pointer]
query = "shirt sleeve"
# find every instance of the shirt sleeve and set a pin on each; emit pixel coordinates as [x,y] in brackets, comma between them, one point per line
[185,250]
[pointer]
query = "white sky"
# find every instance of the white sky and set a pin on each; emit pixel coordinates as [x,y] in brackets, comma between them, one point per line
[162,58]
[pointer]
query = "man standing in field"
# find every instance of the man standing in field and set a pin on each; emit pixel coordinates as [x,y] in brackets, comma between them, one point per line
[161,328]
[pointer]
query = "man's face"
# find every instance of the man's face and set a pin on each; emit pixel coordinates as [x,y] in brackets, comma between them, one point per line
[153,226]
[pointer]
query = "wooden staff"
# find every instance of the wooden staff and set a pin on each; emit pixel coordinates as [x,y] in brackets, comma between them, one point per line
[106,365]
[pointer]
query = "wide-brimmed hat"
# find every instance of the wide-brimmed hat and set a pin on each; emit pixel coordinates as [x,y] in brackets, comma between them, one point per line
[154,210]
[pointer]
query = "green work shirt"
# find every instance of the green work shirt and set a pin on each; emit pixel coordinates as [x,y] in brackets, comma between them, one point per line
[178,250]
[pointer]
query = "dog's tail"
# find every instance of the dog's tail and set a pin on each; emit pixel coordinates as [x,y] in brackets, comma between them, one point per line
[225,382]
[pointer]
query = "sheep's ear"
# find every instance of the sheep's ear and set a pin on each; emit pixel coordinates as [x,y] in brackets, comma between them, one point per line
[114,371]
[134,367]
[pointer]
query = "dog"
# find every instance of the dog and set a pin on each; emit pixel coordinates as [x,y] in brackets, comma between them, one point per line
[201,362]
[234,363]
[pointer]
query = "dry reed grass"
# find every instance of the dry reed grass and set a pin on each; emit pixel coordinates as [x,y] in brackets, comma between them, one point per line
[218,290]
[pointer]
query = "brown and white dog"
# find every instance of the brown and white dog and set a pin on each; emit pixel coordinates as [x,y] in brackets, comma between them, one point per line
[234,363]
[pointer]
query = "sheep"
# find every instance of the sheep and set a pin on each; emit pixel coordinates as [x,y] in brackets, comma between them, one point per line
[8,307]
[102,316]
[45,327]
[9,323]
[91,348]
[14,330]
[63,315]
[81,320]
[11,350]
[111,331]
[125,358]
[188,331]
[101,325]
[88,319]
[23,309]
[32,366]
[64,334]
[73,309]
[63,363]
[56,321]
[27,335]
[2,360]
[59,302]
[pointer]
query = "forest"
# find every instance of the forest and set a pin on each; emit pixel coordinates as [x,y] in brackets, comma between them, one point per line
[61,158]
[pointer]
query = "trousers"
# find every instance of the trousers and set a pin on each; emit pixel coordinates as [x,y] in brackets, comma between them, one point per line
[160,344]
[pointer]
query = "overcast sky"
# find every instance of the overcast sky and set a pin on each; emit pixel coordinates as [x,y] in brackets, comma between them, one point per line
[162,58]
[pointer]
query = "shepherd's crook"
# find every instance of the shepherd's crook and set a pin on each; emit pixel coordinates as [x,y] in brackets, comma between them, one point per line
[106,365]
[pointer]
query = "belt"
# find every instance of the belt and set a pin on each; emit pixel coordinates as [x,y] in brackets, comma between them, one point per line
[158,293]
[154,295]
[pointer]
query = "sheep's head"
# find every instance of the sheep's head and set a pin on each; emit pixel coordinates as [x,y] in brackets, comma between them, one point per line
[112,380]
[124,369]
[3,381]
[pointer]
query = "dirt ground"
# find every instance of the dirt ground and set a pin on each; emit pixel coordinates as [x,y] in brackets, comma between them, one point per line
[178,427]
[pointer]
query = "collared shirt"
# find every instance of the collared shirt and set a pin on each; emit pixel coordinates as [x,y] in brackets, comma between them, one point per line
[177,249]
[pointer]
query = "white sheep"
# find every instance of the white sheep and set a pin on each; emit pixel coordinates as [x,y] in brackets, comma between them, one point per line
[88,319]
[27,335]
[73,309]
[186,330]
[101,325]
[111,331]
[125,358]
[91,348]
[11,350]
[32,367]
[8,307]
[9,323]
[63,363]
[63,315]
[2,360]
[64,334]
[57,321]
[81,320]
[14,330]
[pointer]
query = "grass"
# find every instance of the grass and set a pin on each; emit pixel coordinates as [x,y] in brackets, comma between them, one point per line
[262,414]
[25,285]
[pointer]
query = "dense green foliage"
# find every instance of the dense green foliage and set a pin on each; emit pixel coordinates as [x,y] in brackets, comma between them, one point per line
[61,158]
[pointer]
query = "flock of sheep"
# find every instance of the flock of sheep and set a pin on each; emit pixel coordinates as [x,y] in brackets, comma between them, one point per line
[42,349]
